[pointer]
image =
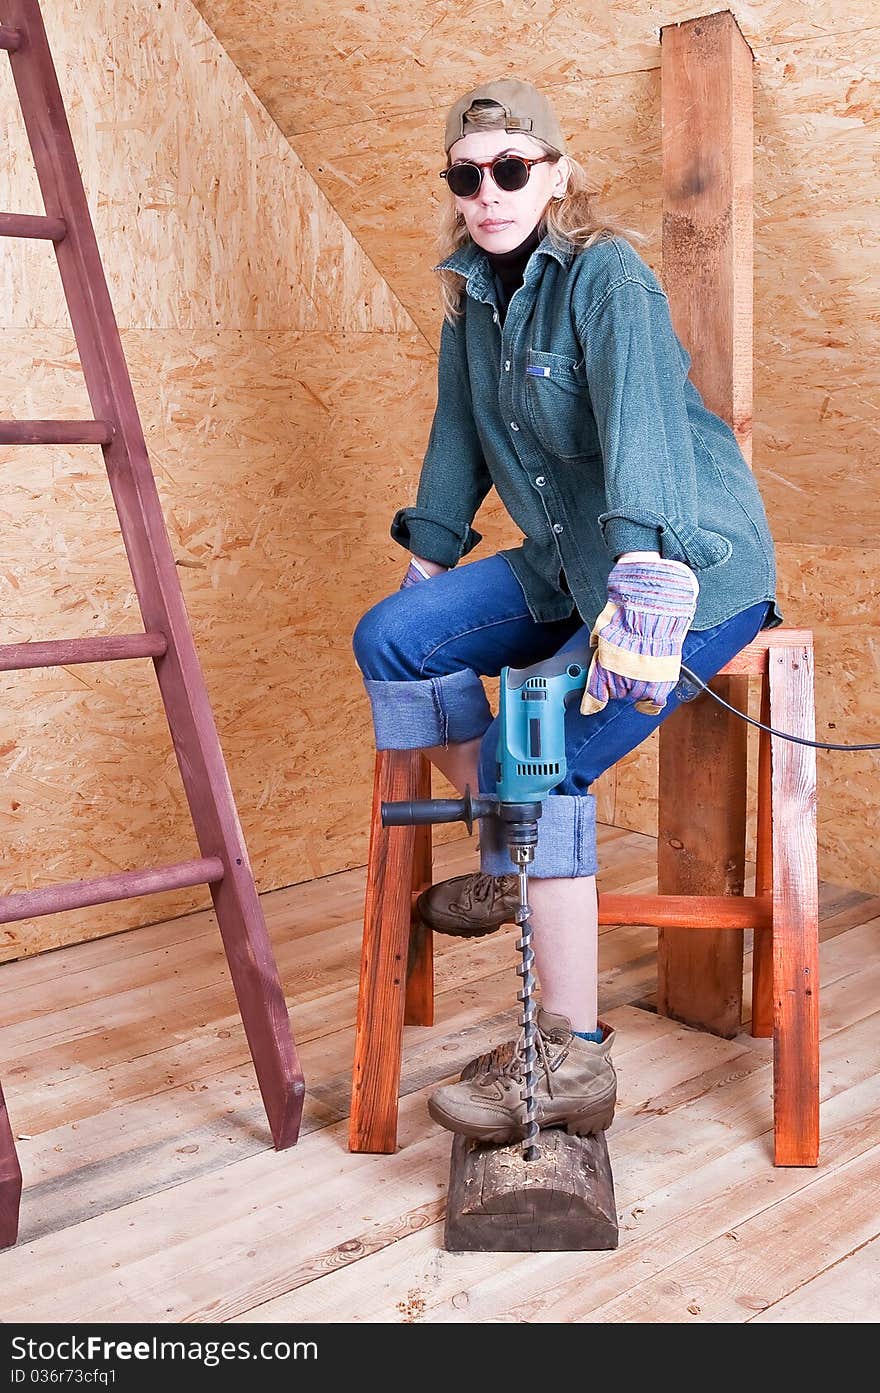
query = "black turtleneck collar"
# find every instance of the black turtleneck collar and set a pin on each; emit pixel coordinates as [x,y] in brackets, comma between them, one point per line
[509,267]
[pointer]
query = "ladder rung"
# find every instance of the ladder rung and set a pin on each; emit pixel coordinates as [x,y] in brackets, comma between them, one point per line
[15,657]
[32,225]
[76,894]
[10,39]
[55,432]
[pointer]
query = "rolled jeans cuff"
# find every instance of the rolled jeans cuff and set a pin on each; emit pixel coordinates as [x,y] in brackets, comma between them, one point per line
[566,840]
[443,710]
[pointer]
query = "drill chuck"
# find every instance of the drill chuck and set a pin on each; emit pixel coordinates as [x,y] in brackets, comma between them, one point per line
[522,855]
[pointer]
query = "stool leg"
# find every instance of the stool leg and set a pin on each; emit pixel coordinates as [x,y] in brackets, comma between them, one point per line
[420,968]
[762,944]
[795,911]
[701,847]
[10,1181]
[382,990]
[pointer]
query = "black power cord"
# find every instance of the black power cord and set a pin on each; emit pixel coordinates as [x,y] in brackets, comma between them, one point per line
[783,735]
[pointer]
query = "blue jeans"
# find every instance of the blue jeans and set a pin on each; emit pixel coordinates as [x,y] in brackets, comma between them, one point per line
[422,652]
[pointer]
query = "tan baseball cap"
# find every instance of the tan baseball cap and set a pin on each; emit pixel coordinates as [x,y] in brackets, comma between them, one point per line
[525,109]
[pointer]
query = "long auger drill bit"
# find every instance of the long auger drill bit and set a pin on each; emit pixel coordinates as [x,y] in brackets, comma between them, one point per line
[529,1028]
[521,822]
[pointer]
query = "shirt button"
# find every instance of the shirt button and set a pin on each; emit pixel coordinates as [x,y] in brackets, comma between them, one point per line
[540,481]
[514,426]
[507,366]
[557,527]
[495,317]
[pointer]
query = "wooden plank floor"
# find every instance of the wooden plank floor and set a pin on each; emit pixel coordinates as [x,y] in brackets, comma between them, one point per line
[144,1145]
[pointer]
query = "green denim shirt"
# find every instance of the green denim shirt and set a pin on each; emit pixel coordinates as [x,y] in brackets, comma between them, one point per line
[579,410]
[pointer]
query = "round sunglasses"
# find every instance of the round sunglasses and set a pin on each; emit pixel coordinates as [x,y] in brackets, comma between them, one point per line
[510,172]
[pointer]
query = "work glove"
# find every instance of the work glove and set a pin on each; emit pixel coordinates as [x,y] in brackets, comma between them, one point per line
[639,635]
[419,570]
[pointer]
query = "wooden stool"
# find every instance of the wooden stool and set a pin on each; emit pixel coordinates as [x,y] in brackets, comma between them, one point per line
[396,981]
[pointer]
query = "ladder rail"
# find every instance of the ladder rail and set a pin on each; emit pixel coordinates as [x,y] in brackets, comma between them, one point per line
[154,573]
[10,1180]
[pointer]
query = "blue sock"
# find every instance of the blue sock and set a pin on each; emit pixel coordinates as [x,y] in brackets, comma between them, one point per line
[595,1035]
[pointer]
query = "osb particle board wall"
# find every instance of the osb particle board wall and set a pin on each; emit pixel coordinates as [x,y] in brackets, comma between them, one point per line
[363,106]
[286,392]
[285,396]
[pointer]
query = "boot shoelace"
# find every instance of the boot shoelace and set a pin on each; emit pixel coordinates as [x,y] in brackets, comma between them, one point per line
[479,886]
[515,1066]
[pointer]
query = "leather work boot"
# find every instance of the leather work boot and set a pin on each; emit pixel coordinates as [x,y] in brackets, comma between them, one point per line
[576,1087]
[470,906]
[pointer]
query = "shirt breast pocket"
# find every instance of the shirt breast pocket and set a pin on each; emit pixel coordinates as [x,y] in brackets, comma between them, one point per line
[558,406]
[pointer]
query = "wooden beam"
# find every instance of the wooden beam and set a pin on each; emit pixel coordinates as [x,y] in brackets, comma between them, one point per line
[707,117]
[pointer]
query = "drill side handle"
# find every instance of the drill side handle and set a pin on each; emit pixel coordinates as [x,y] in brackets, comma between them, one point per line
[421,810]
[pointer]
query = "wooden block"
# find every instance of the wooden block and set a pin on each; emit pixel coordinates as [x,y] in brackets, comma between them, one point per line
[563,1201]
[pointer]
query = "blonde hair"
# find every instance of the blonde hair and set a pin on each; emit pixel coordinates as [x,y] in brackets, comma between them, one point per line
[572,221]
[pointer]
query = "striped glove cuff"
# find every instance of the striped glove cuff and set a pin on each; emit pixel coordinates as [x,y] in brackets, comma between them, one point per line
[638,636]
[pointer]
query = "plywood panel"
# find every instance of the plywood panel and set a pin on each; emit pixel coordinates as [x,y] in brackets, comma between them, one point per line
[277,492]
[375,59]
[817,282]
[248,310]
[204,214]
[255,489]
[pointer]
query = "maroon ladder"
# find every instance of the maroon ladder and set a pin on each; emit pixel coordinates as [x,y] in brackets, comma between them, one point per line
[168,639]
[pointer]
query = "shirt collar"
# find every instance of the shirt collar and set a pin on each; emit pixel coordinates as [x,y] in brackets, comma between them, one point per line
[472,262]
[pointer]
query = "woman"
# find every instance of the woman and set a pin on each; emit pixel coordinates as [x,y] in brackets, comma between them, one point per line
[563,385]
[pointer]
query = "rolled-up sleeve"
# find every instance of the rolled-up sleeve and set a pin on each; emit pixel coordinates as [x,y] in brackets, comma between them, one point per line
[636,374]
[454,479]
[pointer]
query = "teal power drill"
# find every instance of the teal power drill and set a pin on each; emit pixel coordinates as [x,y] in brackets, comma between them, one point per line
[531,762]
